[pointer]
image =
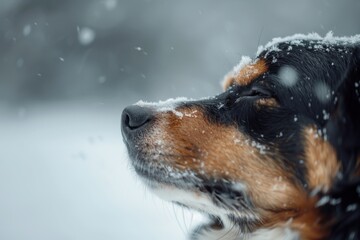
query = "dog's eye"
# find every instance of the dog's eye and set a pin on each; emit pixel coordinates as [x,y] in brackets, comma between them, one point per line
[253,93]
[257,92]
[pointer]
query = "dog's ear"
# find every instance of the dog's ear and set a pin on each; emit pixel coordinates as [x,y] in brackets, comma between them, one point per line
[343,127]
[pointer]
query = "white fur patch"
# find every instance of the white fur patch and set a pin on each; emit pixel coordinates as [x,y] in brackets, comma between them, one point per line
[229,232]
[234,233]
[196,200]
[202,202]
[280,233]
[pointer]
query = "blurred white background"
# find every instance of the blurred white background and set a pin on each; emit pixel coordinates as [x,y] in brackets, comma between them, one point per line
[68,68]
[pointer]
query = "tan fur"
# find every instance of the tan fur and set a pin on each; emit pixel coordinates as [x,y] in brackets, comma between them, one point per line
[321,160]
[266,102]
[225,153]
[190,142]
[303,218]
[247,74]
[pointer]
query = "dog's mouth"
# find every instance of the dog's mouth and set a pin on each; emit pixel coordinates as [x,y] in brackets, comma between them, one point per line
[217,198]
[154,171]
[154,164]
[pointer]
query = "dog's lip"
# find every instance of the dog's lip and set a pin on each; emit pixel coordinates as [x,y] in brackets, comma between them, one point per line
[153,165]
[186,180]
[156,171]
[167,176]
[157,174]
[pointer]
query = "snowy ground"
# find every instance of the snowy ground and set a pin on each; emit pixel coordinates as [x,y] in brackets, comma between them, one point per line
[64,175]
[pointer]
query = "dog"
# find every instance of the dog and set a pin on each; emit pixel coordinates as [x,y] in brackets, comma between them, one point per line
[274,156]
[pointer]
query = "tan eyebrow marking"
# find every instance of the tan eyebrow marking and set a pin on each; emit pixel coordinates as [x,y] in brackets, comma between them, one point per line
[269,102]
[246,74]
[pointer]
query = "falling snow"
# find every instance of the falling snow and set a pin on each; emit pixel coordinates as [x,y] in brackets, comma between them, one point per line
[279,135]
[288,76]
[110,4]
[322,92]
[324,200]
[86,35]
[27,30]
[20,62]
[351,207]
[102,79]
[335,201]
[326,115]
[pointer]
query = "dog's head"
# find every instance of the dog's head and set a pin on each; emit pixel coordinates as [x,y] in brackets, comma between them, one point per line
[259,153]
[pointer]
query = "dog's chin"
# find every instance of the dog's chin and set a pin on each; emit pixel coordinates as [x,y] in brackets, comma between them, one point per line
[222,200]
[191,198]
[225,214]
[212,197]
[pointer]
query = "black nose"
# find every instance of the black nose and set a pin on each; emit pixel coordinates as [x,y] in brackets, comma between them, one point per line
[134,118]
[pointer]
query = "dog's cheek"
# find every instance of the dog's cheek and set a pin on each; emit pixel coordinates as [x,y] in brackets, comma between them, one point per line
[215,151]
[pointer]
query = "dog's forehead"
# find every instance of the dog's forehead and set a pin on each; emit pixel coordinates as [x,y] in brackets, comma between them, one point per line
[245,72]
[249,69]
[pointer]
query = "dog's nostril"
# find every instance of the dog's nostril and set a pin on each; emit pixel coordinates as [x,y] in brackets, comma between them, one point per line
[135,117]
[126,120]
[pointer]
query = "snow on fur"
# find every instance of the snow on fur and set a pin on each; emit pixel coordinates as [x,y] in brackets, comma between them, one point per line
[168,105]
[297,39]
[245,60]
